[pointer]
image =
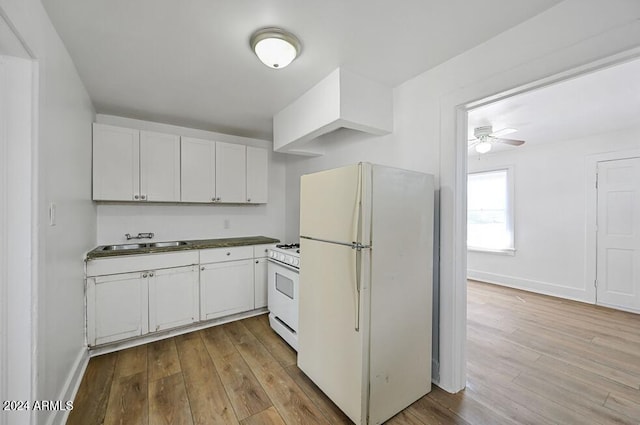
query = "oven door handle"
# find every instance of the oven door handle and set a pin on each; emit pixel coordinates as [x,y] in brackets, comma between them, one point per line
[286,266]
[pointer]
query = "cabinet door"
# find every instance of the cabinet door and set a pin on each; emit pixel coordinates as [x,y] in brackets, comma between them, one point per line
[115,163]
[226,288]
[260,282]
[159,167]
[116,307]
[173,297]
[257,175]
[198,172]
[231,177]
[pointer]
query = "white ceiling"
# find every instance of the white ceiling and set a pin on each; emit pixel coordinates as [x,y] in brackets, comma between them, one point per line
[189,63]
[601,102]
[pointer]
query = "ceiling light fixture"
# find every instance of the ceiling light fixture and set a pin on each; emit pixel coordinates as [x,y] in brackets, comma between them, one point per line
[275,47]
[483,147]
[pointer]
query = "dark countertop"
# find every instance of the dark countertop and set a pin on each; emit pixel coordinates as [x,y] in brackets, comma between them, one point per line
[190,244]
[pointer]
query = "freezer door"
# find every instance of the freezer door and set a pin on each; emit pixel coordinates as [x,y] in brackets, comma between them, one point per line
[329,204]
[330,350]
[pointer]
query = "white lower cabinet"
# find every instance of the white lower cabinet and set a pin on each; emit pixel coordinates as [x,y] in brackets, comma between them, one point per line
[130,296]
[226,288]
[173,297]
[260,282]
[117,307]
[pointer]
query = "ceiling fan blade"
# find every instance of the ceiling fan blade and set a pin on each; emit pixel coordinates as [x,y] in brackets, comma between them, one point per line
[511,142]
[502,132]
[473,142]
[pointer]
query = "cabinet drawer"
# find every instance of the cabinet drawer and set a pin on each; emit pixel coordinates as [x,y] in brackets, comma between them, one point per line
[217,255]
[132,263]
[260,251]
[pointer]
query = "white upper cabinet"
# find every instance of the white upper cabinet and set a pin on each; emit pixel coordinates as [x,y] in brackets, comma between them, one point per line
[257,172]
[198,168]
[133,165]
[116,163]
[231,173]
[159,167]
[138,165]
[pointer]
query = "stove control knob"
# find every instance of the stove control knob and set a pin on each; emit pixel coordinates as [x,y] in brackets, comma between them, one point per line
[296,262]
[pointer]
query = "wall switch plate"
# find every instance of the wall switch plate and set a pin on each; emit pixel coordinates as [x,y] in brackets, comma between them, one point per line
[52,214]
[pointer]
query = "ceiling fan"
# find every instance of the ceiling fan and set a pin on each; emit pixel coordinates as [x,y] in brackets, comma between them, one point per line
[485,137]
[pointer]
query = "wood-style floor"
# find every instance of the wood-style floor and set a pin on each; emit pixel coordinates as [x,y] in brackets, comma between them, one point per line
[532,359]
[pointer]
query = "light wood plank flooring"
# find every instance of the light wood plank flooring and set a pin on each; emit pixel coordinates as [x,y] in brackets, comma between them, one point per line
[532,359]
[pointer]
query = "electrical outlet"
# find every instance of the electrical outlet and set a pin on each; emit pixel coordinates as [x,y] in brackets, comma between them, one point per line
[227,223]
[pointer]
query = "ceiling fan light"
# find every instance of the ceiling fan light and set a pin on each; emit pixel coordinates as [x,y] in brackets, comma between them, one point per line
[275,47]
[483,147]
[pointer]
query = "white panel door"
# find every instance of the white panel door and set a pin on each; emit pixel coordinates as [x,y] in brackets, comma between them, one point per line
[330,349]
[226,288]
[116,165]
[198,170]
[231,173]
[618,238]
[329,204]
[173,297]
[159,167]
[257,175]
[116,307]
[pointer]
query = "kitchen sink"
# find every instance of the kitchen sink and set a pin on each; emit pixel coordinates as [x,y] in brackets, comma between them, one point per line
[124,246]
[166,244]
[127,246]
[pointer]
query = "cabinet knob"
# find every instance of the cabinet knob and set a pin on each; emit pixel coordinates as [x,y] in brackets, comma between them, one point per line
[228,253]
[143,197]
[202,268]
[248,199]
[136,197]
[213,199]
[257,261]
[144,275]
[150,274]
[218,199]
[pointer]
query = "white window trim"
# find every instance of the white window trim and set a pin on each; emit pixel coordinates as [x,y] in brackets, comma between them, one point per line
[510,212]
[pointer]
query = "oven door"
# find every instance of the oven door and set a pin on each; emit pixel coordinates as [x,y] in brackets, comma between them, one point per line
[283,293]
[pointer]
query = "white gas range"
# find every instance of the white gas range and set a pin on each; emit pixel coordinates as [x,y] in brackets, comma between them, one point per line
[283,269]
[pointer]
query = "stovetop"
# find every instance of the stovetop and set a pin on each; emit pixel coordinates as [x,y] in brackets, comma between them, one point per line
[286,253]
[289,246]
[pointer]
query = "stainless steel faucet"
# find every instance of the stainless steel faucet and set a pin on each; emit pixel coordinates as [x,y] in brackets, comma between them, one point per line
[148,235]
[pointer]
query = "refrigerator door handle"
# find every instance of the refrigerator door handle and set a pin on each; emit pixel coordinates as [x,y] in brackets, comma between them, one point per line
[352,245]
[357,212]
[358,283]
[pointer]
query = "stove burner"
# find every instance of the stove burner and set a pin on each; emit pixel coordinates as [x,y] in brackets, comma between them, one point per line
[289,246]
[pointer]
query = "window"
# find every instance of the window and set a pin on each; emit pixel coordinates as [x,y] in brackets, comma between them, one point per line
[490,211]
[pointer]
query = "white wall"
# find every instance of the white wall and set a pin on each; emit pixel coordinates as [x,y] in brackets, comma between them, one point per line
[550,185]
[430,128]
[62,174]
[192,221]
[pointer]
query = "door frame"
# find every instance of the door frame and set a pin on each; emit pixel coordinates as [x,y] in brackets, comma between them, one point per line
[591,210]
[18,224]
[4,278]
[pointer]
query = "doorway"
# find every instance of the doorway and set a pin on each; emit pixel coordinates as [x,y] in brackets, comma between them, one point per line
[541,140]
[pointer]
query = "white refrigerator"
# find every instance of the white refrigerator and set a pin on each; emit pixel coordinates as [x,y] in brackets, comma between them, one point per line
[366,260]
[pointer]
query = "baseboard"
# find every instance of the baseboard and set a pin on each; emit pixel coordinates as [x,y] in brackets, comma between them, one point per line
[545,288]
[70,388]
